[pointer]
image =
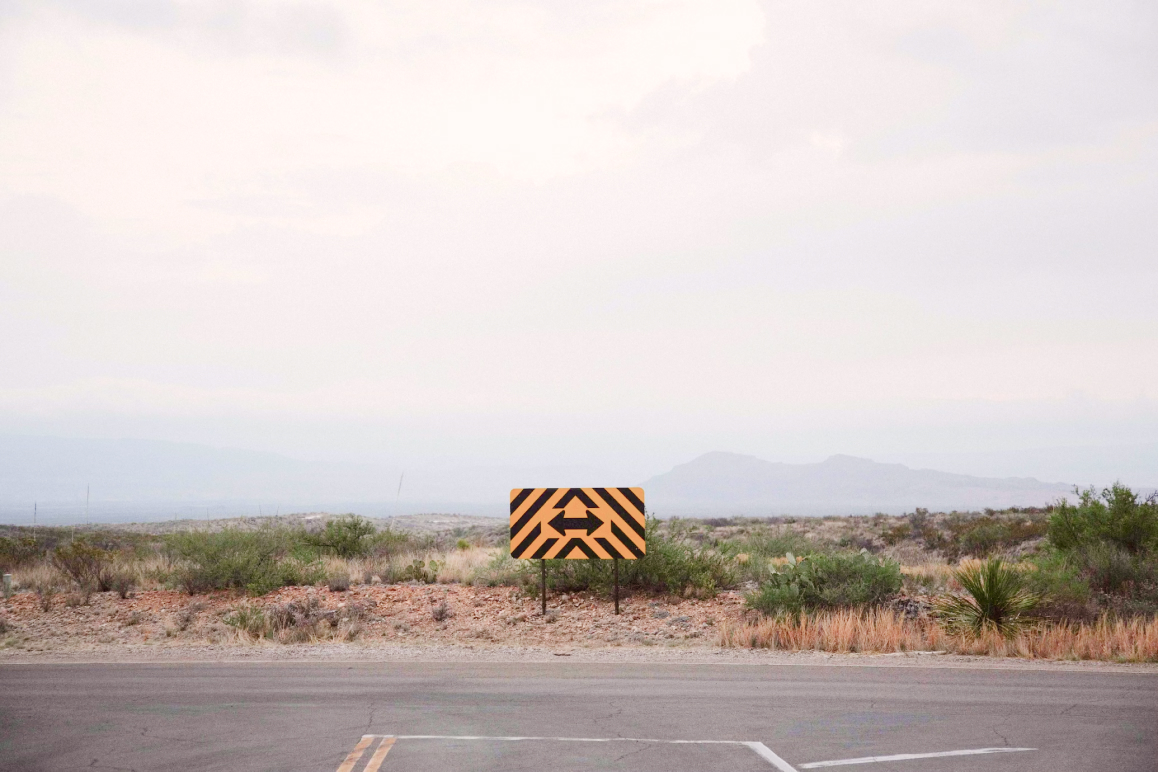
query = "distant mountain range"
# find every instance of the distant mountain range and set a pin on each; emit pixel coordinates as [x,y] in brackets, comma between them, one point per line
[152,480]
[729,483]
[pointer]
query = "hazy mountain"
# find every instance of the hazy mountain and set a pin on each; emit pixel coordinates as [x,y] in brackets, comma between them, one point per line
[151,480]
[729,483]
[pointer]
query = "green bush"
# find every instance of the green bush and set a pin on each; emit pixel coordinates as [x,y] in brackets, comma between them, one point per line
[998,599]
[502,570]
[896,534]
[1109,567]
[17,551]
[827,581]
[388,542]
[347,536]
[121,580]
[249,619]
[753,554]
[1058,579]
[673,564]
[983,539]
[982,536]
[1114,517]
[255,561]
[88,565]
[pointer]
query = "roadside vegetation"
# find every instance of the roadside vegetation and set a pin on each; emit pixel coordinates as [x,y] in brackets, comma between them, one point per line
[1078,579]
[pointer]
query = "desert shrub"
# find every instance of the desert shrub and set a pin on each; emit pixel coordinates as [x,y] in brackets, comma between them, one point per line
[766,543]
[672,564]
[87,564]
[188,615]
[922,581]
[249,619]
[388,542]
[983,538]
[1109,567]
[441,612]
[896,534]
[302,621]
[348,536]
[1114,517]
[338,581]
[998,599]
[121,580]
[502,570]
[255,561]
[292,622]
[5,628]
[1060,583]
[17,551]
[80,597]
[44,596]
[827,581]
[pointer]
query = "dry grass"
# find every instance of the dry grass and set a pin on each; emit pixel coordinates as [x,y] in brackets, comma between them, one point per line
[460,566]
[30,577]
[886,632]
[457,566]
[927,577]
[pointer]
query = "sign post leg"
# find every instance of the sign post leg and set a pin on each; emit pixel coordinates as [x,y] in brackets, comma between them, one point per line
[617,586]
[543,583]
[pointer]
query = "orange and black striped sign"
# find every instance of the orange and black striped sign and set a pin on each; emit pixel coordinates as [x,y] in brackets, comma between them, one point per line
[577,523]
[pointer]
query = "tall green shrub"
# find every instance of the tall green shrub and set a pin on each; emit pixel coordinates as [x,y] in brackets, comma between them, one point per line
[255,561]
[827,581]
[348,536]
[672,565]
[1113,517]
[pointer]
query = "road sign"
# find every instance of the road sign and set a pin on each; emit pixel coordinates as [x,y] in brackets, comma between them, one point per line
[577,523]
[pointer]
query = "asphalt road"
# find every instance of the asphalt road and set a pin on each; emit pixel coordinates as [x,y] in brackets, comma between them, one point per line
[310,717]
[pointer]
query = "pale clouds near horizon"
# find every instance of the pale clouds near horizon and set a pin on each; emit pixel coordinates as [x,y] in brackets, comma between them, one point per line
[639,230]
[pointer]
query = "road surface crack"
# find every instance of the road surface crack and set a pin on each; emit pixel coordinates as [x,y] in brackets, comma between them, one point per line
[370,719]
[642,747]
[94,765]
[614,714]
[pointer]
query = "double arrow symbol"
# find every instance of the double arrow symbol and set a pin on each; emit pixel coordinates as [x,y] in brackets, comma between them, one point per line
[562,523]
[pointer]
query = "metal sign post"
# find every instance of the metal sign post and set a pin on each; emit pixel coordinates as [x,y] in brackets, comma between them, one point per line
[617,587]
[543,582]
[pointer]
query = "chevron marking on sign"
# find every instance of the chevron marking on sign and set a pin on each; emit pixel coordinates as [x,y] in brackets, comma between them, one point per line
[578,523]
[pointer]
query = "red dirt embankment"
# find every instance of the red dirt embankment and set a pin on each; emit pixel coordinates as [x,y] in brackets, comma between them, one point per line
[393,613]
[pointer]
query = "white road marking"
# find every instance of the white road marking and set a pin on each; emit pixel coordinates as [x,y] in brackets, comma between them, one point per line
[761,750]
[764,752]
[907,756]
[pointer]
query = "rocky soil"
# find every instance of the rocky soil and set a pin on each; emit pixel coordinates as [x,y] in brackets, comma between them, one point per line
[407,613]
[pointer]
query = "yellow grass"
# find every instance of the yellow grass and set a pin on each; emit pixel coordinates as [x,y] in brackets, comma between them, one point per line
[29,577]
[458,566]
[454,566]
[886,632]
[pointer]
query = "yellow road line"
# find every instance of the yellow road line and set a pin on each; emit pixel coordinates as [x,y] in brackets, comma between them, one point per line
[379,755]
[359,749]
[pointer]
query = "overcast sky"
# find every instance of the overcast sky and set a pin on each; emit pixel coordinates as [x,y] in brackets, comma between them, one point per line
[621,233]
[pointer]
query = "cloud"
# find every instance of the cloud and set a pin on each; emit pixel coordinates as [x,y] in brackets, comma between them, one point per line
[144,119]
[662,222]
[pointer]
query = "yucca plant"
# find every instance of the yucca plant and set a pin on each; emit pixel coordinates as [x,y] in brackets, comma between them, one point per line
[998,599]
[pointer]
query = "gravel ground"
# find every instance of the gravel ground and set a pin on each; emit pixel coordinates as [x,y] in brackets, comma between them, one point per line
[384,614]
[397,623]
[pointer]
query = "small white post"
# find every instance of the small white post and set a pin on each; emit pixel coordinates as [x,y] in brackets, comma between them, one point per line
[7,585]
